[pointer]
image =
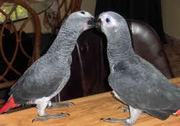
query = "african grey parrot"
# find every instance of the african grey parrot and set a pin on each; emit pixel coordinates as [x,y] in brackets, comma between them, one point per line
[47,76]
[134,80]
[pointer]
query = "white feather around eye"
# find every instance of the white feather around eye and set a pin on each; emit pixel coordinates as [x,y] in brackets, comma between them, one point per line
[108,21]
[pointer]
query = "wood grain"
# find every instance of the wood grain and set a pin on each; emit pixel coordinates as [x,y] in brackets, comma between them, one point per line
[87,111]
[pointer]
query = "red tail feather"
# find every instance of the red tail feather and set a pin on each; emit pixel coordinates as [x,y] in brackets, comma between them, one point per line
[177,112]
[8,105]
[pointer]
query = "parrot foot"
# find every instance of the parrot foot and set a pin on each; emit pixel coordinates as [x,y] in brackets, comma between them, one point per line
[116,120]
[55,116]
[60,104]
[124,108]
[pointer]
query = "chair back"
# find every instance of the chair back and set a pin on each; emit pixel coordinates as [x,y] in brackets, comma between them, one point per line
[148,45]
[17,51]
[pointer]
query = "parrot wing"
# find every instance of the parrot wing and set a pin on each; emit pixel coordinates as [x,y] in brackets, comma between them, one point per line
[41,79]
[142,86]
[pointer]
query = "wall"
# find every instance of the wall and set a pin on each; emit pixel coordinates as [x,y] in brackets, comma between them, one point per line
[171,17]
[88,5]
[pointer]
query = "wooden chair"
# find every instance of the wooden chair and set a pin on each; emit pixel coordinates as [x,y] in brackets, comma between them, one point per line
[148,45]
[14,51]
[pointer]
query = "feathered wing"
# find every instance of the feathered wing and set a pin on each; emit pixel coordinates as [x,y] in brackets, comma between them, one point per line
[142,86]
[41,79]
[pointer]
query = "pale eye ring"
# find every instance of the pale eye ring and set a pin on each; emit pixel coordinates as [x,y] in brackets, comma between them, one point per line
[108,20]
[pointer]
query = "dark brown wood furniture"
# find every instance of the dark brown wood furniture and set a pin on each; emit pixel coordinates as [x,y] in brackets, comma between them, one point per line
[11,45]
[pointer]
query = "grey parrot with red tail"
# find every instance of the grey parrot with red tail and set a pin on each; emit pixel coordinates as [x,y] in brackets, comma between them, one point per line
[47,76]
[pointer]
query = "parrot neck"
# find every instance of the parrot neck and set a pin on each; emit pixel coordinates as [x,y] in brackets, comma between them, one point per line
[64,43]
[119,49]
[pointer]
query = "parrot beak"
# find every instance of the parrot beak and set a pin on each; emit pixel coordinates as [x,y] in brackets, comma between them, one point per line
[91,22]
[98,23]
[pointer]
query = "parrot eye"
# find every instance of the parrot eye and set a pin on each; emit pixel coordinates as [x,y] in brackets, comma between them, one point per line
[82,12]
[108,20]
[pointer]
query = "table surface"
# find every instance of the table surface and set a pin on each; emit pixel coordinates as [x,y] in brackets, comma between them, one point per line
[86,111]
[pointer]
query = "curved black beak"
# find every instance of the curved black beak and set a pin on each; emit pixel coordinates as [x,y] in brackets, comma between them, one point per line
[91,22]
[95,22]
[98,23]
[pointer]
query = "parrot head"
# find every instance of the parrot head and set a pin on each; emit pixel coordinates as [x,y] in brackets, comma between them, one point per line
[110,23]
[117,33]
[80,21]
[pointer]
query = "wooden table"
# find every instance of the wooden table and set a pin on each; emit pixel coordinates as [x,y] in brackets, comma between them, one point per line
[87,111]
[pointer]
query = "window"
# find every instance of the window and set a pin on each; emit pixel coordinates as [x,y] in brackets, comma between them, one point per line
[17,12]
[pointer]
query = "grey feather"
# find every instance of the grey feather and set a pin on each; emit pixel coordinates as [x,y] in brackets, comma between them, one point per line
[137,82]
[49,74]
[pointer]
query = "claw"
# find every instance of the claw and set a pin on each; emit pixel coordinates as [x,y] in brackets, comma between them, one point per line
[55,116]
[113,120]
[61,104]
[116,120]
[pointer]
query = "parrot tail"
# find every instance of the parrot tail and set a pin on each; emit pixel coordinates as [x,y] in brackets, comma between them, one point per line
[177,112]
[8,105]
